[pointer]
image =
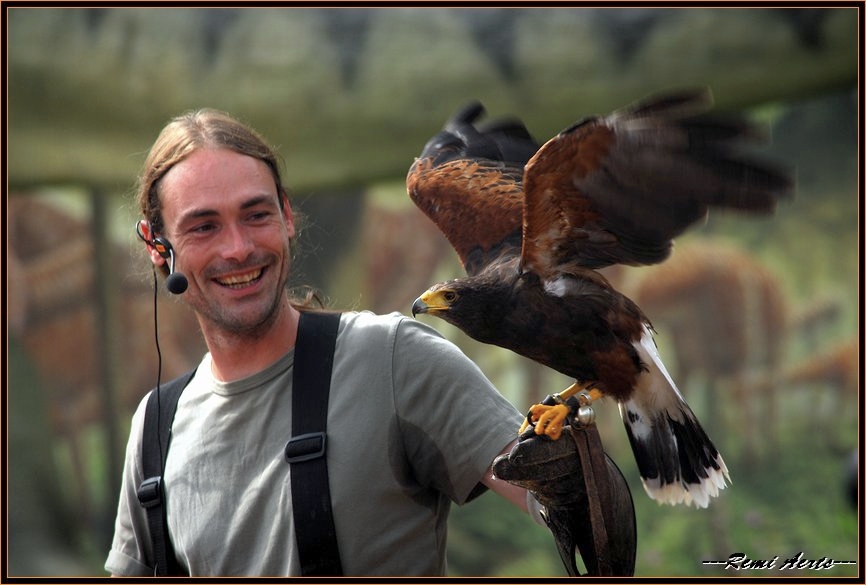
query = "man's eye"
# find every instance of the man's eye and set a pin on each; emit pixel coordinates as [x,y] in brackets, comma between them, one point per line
[200,229]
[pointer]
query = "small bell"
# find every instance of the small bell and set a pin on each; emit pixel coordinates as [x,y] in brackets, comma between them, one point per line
[585,415]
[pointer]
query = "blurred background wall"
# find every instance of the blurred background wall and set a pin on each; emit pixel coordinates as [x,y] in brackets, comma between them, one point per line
[758,319]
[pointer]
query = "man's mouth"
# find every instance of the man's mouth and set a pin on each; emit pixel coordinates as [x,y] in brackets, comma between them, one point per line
[241,280]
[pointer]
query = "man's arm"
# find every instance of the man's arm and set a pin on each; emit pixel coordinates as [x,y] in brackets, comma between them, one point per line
[514,494]
[520,497]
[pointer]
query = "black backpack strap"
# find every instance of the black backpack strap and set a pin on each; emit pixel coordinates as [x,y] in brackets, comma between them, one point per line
[306,451]
[158,417]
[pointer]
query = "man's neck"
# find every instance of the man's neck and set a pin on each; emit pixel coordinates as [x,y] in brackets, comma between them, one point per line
[236,356]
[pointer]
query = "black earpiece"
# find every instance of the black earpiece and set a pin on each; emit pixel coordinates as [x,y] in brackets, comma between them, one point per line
[176,282]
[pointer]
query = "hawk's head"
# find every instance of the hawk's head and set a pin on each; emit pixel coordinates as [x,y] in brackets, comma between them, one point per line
[471,304]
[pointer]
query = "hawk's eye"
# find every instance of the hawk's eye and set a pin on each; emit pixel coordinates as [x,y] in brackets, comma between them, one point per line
[450,296]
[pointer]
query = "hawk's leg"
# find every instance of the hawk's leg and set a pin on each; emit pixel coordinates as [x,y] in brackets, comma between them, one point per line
[549,419]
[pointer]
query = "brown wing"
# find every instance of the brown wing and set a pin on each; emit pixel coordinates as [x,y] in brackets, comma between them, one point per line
[618,189]
[478,205]
[468,180]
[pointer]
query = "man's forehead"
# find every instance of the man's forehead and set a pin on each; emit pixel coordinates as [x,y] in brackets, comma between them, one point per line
[210,182]
[212,167]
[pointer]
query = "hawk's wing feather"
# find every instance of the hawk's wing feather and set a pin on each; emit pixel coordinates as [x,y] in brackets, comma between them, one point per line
[477,204]
[618,189]
[468,180]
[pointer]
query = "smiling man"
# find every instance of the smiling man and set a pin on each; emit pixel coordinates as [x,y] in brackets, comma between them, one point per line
[405,437]
[224,212]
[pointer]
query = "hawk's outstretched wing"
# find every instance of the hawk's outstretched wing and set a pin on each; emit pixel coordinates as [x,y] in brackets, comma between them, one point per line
[468,180]
[618,189]
[607,190]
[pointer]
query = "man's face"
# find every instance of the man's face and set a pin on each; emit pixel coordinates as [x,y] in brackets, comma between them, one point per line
[230,237]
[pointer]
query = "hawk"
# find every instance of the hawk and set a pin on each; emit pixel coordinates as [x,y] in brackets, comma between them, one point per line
[532,224]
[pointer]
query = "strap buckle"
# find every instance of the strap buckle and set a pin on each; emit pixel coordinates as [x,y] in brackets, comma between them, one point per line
[305,447]
[150,492]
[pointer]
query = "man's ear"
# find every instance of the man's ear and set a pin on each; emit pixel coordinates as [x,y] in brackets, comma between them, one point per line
[144,232]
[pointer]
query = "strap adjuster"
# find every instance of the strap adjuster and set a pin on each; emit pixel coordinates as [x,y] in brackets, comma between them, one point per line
[150,492]
[305,447]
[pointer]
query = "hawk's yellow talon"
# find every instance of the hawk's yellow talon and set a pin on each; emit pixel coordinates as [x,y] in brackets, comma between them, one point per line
[550,419]
[550,422]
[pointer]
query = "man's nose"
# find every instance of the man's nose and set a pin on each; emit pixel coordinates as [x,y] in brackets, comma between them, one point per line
[237,244]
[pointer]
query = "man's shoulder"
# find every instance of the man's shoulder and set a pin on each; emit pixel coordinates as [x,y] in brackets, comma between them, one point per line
[367,323]
[371,319]
[395,330]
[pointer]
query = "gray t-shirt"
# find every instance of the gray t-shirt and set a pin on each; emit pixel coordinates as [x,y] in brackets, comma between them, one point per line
[412,426]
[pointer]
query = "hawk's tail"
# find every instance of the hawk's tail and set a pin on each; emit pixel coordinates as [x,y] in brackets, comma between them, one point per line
[677,461]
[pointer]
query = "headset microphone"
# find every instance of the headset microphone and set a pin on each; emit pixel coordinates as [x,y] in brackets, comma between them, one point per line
[176,282]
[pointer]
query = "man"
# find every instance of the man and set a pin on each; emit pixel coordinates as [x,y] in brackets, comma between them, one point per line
[412,423]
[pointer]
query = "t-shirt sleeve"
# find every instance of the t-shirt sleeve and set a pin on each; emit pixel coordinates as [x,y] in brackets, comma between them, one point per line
[131,546]
[454,422]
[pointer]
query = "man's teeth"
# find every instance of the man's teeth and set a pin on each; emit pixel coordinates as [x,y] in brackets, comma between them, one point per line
[240,279]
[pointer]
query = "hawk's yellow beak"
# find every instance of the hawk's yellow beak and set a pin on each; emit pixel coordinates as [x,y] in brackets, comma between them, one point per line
[430,302]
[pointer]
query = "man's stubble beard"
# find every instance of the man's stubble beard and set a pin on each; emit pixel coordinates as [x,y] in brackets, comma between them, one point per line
[216,319]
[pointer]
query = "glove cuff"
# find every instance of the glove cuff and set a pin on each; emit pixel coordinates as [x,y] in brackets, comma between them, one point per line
[536,509]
